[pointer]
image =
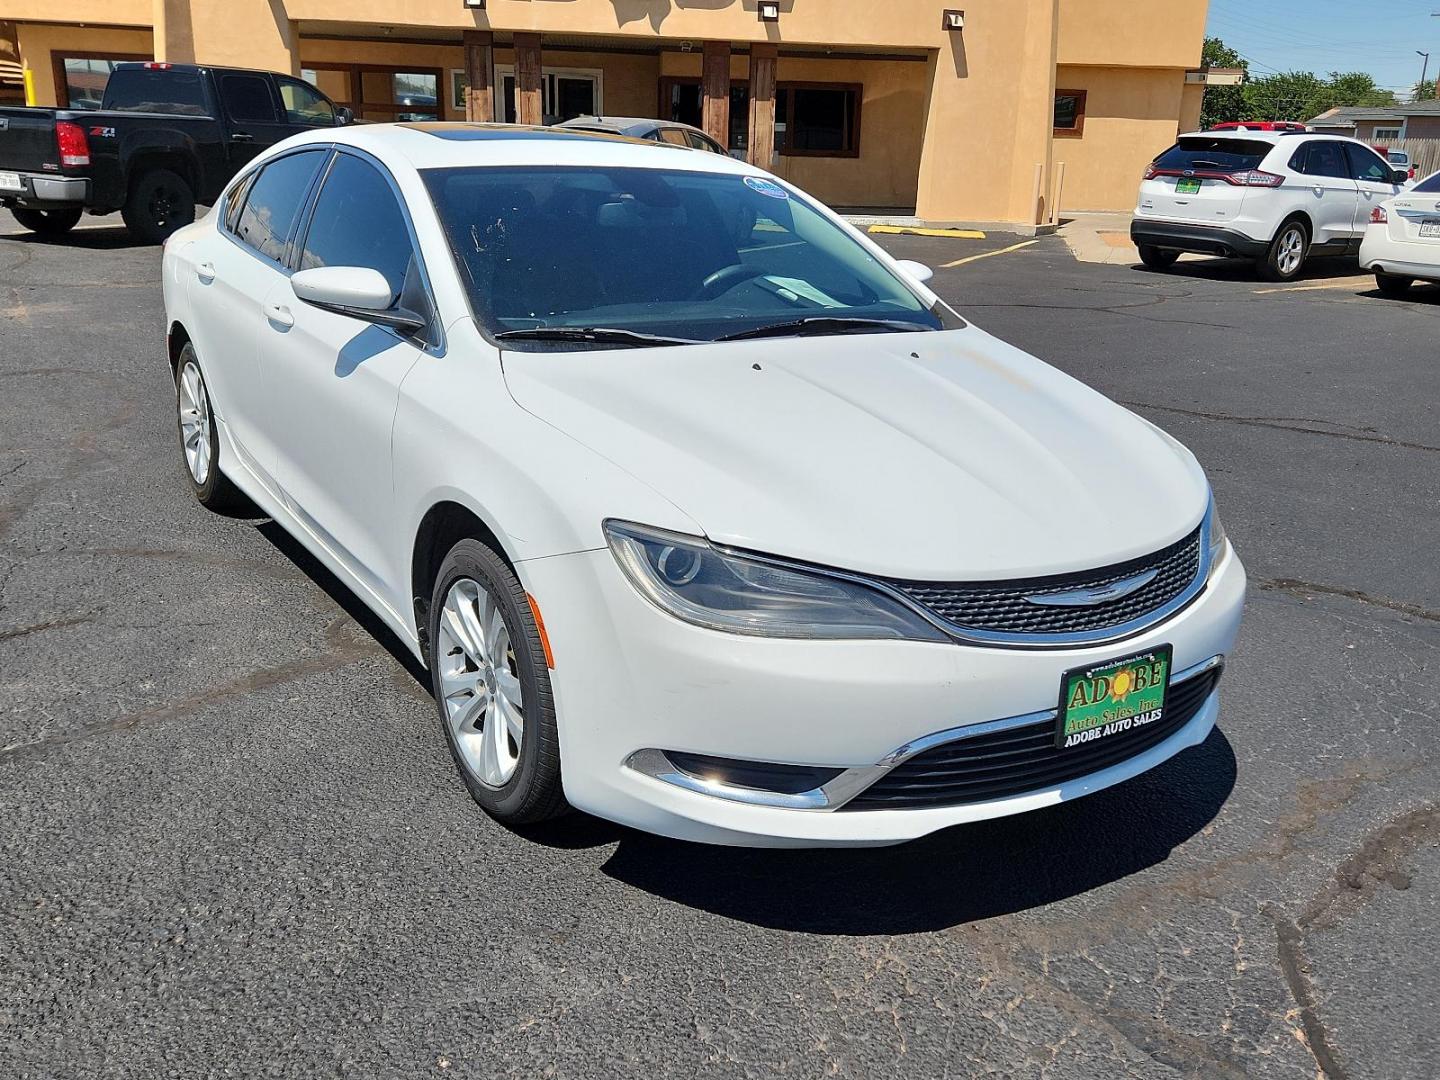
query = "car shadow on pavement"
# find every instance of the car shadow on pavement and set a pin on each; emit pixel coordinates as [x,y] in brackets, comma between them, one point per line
[1320,269]
[102,238]
[957,876]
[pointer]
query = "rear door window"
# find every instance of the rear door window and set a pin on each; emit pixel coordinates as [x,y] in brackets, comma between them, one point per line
[247,99]
[273,205]
[156,90]
[1324,159]
[1210,154]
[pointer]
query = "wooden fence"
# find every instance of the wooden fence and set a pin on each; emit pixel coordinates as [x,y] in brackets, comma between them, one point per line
[1424,153]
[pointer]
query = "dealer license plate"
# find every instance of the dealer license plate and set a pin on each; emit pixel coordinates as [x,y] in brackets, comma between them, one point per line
[1430,226]
[1187,185]
[1112,699]
[11,181]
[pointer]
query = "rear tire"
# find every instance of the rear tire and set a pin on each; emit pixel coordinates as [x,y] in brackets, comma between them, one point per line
[199,438]
[47,222]
[1286,256]
[492,687]
[1157,258]
[1393,284]
[160,202]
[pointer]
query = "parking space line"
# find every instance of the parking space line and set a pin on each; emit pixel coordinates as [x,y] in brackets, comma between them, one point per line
[987,254]
[1349,283]
[907,230]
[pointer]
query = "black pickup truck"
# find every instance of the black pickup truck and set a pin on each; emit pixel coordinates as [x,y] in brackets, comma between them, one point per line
[166,136]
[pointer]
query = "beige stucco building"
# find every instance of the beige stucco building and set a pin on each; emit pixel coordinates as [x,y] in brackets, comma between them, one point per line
[883,104]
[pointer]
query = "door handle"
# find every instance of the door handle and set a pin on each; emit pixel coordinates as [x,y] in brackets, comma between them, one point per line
[205,272]
[241,136]
[280,315]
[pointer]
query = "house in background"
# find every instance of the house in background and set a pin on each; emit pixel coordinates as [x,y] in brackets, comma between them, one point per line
[1381,126]
[916,106]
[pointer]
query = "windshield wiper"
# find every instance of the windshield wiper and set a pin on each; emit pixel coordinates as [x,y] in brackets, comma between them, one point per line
[596,335]
[824,324]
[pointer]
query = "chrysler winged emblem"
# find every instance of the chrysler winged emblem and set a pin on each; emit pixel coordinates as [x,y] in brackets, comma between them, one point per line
[1100,594]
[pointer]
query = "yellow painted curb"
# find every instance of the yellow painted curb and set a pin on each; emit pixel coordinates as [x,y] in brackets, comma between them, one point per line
[954,234]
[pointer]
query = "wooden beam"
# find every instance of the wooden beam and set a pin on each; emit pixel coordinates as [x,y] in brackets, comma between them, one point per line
[762,104]
[715,91]
[529,97]
[479,75]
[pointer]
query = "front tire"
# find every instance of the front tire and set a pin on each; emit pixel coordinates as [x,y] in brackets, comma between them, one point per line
[492,687]
[1393,284]
[1157,258]
[199,437]
[1286,256]
[160,202]
[47,222]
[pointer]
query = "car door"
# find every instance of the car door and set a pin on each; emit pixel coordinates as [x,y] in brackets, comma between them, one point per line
[241,263]
[333,381]
[252,113]
[1330,192]
[1374,176]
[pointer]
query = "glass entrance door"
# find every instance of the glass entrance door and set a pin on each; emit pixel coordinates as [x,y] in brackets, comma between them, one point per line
[566,93]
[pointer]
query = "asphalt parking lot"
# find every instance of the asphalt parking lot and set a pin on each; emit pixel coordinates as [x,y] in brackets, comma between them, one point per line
[234,843]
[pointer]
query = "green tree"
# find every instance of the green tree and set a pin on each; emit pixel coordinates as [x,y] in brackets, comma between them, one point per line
[1222,103]
[1289,95]
[1357,88]
[1424,91]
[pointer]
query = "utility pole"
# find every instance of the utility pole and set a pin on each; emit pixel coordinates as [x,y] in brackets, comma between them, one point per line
[1424,66]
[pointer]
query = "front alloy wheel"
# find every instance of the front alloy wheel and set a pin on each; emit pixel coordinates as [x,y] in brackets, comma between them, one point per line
[480,683]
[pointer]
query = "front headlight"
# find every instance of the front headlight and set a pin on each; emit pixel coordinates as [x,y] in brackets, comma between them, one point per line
[692,580]
[1219,542]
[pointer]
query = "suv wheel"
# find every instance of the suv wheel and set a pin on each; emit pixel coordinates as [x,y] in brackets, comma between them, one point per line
[1157,258]
[47,222]
[492,686]
[1393,284]
[1287,252]
[160,202]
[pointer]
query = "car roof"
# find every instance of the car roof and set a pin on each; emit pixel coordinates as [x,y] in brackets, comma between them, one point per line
[1275,137]
[440,145]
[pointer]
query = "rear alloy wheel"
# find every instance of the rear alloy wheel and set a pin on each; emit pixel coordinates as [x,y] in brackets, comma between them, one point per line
[47,222]
[1393,284]
[1157,258]
[160,202]
[492,687]
[199,438]
[1287,253]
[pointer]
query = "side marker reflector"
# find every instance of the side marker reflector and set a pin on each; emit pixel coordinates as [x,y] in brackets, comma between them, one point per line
[544,637]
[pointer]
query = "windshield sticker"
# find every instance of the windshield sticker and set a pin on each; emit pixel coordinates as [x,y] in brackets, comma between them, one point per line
[768,188]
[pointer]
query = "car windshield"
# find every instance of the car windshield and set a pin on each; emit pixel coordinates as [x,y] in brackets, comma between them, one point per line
[1214,155]
[1429,186]
[565,258]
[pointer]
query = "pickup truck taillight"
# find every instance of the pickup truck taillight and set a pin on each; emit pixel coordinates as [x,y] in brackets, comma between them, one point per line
[74,147]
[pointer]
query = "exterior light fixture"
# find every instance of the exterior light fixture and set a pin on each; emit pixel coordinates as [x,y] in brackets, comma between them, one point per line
[479,5]
[953,20]
[769,10]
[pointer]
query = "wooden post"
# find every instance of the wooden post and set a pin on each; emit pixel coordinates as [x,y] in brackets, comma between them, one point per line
[479,71]
[715,91]
[762,104]
[529,98]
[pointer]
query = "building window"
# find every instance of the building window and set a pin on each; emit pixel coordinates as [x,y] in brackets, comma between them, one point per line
[80,78]
[1070,113]
[565,92]
[1386,134]
[818,119]
[377,93]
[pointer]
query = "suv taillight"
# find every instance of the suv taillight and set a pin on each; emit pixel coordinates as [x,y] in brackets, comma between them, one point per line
[1150,171]
[1256,178]
[74,147]
[1378,216]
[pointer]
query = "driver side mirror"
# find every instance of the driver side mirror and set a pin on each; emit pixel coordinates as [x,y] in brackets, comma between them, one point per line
[1400,176]
[343,116]
[917,270]
[357,292]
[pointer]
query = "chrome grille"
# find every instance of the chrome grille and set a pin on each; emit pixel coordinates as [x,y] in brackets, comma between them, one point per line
[1019,760]
[1001,607]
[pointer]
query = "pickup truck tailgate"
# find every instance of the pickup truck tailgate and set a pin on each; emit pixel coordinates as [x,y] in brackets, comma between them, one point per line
[27,141]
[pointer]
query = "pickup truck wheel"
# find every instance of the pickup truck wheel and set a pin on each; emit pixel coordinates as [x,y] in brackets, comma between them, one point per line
[160,202]
[47,222]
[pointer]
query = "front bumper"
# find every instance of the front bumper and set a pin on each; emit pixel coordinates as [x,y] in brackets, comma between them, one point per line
[40,192]
[629,678]
[1200,239]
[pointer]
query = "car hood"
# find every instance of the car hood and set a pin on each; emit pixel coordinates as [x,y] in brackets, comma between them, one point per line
[940,456]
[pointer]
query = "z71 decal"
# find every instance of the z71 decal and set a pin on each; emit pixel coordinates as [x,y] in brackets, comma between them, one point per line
[102,132]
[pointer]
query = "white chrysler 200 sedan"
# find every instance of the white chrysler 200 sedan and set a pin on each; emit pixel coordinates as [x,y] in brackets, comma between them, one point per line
[705,514]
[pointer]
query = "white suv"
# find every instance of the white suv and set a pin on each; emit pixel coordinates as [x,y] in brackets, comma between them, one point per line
[1275,197]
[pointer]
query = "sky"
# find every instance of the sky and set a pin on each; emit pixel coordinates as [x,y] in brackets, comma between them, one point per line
[1376,36]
